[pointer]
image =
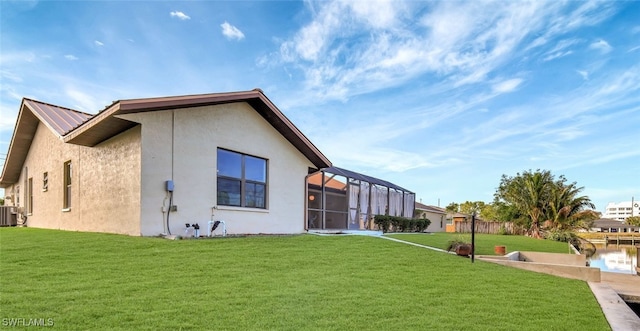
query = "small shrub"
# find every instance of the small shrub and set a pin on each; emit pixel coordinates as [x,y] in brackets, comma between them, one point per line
[387,223]
[458,241]
[560,235]
[383,222]
[421,224]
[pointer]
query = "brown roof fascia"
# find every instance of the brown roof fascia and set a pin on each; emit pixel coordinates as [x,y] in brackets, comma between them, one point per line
[100,127]
[104,125]
[23,132]
[290,131]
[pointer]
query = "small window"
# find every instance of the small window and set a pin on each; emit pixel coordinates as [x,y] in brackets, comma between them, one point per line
[67,185]
[17,195]
[30,196]
[45,182]
[242,180]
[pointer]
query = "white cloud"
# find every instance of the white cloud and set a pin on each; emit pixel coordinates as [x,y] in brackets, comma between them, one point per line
[98,43]
[560,50]
[70,57]
[377,14]
[507,85]
[10,76]
[601,46]
[584,74]
[341,54]
[82,101]
[231,32]
[180,15]
[557,55]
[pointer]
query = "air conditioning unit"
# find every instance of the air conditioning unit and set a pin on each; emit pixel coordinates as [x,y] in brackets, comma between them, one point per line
[8,216]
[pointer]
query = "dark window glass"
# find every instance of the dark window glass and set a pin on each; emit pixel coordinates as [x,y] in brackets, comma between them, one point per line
[229,192]
[254,195]
[242,180]
[67,185]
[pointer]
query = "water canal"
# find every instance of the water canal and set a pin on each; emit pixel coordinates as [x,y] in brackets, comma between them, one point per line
[615,258]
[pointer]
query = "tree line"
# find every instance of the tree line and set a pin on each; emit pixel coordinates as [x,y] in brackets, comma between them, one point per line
[536,200]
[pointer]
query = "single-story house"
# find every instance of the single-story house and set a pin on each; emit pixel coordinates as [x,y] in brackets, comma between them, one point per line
[437,216]
[454,219]
[150,166]
[613,226]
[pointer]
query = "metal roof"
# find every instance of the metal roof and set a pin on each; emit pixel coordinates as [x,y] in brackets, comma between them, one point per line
[359,176]
[89,130]
[59,119]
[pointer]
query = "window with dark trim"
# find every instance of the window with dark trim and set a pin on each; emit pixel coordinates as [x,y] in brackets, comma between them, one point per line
[242,180]
[30,196]
[67,185]
[45,182]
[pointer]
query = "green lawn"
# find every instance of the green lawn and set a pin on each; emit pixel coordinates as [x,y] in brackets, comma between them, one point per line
[90,281]
[485,243]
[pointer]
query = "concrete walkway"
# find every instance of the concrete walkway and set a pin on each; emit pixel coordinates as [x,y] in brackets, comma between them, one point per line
[610,292]
[616,311]
[626,285]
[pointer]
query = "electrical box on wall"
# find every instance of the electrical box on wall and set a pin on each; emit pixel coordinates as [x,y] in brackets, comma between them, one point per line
[169,186]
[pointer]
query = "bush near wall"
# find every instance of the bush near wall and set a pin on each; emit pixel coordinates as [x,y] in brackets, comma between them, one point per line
[400,224]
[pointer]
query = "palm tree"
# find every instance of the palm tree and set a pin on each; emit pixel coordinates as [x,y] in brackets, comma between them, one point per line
[567,209]
[529,192]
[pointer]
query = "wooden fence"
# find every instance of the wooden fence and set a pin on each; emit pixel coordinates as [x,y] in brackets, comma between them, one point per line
[490,227]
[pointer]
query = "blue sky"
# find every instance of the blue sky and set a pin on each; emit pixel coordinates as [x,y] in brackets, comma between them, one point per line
[440,97]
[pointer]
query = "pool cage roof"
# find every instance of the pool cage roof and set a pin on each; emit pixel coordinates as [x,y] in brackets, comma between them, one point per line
[365,178]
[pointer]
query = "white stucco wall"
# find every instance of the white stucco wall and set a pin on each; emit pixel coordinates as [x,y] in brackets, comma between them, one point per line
[105,192]
[181,145]
[438,221]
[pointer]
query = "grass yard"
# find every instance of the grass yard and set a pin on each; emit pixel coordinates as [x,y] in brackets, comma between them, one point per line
[485,243]
[91,281]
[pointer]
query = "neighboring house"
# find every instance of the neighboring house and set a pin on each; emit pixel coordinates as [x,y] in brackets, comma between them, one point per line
[609,225]
[453,219]
[148,166]
[437,216]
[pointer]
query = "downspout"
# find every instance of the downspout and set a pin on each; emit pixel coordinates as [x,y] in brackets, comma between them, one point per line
[167,191]
[173,121]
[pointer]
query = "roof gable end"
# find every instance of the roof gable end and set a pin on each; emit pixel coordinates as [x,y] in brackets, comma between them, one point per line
[59,120]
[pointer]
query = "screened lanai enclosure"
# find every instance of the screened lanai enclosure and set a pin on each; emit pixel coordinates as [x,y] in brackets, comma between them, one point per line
[343,199]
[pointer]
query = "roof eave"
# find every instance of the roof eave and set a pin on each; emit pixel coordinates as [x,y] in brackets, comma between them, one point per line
[104,125]
[19,146]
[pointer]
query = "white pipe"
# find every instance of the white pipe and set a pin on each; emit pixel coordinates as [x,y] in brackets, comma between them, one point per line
[224,228]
